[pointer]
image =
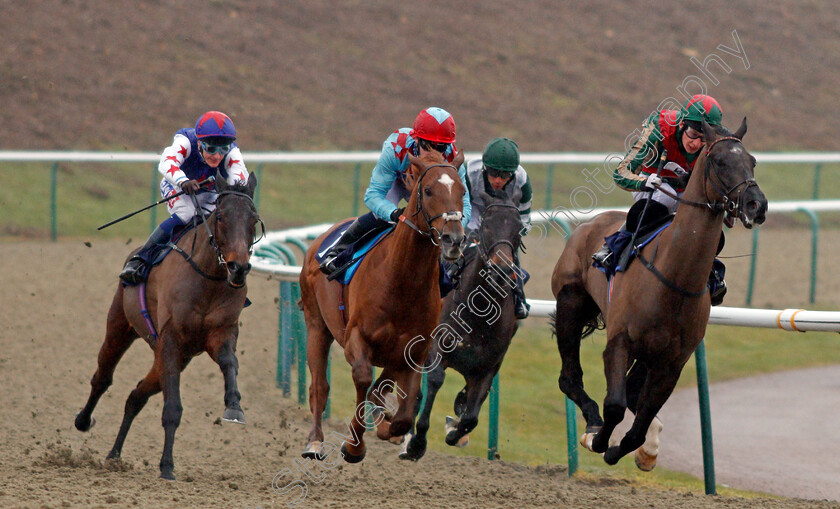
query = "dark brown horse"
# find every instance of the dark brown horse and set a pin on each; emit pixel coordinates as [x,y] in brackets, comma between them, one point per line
[657,313]
[194,302]
[480,322]
[390,307]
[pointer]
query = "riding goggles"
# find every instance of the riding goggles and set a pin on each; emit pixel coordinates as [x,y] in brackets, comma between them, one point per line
[493,172]
[693,135]
[215,149]
[431,145]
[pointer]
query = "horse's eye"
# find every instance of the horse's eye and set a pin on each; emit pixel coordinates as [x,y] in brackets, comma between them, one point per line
[427,192]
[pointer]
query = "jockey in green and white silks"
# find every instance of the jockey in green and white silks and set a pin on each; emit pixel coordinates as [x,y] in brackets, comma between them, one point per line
[679,134]
[434,129]
[498,173]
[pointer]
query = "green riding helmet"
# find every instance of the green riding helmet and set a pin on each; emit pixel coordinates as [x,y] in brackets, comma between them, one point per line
[501,154]
[703,107]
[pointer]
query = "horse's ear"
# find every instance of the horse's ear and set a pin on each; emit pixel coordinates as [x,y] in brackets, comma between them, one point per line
[485,197]
[459,159]
[416,165]
[252,184]
[709,132]
[741,130]
[221,183]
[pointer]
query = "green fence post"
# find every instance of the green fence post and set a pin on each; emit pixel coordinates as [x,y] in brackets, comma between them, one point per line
[705,418]
[153,215]
[571,436]
[816,194]
[285,332]
[53,204]
[300,335]
[815,232]
[493,432]
[753,261]
[549,181]
[356,176]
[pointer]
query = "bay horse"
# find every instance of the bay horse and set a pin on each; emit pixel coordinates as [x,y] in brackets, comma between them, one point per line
[480,320]
[658,309]
[385,315]
[194,304]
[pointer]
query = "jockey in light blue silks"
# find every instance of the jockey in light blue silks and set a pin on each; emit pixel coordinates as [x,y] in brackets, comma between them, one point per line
[189,164]
[434,129]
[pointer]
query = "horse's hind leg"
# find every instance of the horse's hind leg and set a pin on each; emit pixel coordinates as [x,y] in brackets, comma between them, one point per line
[135,402]
[358,356]
[416,447]
[119,336]
[575,310]
[318,345]
[224,353]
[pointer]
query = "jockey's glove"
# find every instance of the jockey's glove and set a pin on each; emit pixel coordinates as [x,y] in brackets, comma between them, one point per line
[191,186]
[395,215]
[653,181]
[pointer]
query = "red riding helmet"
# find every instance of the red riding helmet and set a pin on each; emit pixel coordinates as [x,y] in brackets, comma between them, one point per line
[215,124]
[435,125]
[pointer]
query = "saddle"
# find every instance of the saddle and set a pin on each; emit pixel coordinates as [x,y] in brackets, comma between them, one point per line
[624,250]
[349,260]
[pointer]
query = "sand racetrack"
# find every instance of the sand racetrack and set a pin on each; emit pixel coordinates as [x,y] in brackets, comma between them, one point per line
[54,300]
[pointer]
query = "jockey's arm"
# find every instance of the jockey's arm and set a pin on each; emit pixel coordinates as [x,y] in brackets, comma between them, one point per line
[383,177]
[626,174]
[235,167]
[172,158]
[524,205]
[467,213]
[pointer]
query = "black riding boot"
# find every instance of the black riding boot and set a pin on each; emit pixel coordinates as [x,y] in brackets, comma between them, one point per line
[132,272]
[717,285]
[604,256]
[333,259]
[521,306]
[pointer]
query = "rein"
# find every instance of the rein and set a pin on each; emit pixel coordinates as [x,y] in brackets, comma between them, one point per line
[433,234]
[726,204]
[199,217]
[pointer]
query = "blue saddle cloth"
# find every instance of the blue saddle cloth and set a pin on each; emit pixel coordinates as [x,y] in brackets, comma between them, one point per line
[350,259]
[619,244]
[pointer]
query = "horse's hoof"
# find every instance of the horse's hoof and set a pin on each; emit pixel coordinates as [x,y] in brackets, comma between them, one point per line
[413,448]
[83,424]
[168,475]
[454,439]
[586,440]
[644,461]
[612,455]
[383,430]
[314,451]
[397,440]
[234,415]
[351,458]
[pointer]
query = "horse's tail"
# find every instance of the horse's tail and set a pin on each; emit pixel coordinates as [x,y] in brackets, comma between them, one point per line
[595,323]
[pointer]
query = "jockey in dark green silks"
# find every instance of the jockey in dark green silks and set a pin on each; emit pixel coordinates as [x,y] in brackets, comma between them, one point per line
[499,174]
[680,134]
[433,130]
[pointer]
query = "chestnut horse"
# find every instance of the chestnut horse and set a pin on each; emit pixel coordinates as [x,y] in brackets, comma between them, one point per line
[657,311]
[194,301]
[390,307]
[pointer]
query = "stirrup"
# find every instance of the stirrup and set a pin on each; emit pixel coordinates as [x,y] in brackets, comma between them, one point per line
[521,310]
[328,266]
[130,273]
[719,293]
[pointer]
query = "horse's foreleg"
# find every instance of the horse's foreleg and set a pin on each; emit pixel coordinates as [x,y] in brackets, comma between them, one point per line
[358,356]
[409,380]
[172,409]
[657,388]
[616,363]
[225,356]
[119,336]
[477,391]
[647,454]
[416,446]
[146,388]
[570,318]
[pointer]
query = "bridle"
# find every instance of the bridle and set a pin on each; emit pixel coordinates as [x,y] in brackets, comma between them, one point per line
[726,204]
[199,217]
[485,251]
[432,233]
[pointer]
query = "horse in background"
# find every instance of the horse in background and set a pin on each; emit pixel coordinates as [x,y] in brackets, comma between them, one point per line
[385,315]
[657,310]
[193,307]
[476,341]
